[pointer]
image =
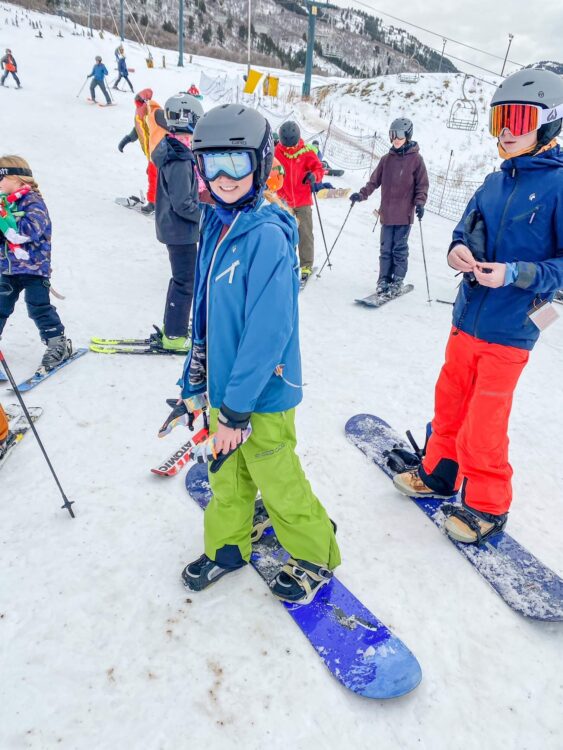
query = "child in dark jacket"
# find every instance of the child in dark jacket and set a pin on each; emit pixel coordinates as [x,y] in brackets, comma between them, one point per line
[122,68]
[177,211]
[403,179]
[25,257]
[10,67]
[509,246]
[98,74]
[302,169]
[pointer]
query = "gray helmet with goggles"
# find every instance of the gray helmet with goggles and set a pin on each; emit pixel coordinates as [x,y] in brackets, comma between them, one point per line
[182,112]
[235,141]
[531,99]
[401,128]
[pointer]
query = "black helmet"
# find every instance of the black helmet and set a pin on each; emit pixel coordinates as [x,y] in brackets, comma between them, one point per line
[289,133]
[534,86]
[182,113]
[234,127]
[401,127]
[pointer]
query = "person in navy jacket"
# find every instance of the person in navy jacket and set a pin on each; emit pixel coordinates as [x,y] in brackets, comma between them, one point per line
[509,247]
[122,68]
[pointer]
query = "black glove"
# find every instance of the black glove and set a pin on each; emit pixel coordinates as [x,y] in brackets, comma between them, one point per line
[309,178]
[419,211]
[123,142]
[357,198]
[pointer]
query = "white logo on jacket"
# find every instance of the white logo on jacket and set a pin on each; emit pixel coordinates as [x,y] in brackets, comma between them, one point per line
[230,270]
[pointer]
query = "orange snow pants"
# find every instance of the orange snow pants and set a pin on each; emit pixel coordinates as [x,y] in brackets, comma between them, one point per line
[152,174]
[3,425]
[469,440]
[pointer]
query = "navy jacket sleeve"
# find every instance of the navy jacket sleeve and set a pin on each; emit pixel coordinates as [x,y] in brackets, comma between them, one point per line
[182,189]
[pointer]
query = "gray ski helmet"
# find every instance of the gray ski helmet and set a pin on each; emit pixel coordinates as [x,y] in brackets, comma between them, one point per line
[98,59]
[289,133]
[533,86]
[182,113]
[234,127]
[401,127]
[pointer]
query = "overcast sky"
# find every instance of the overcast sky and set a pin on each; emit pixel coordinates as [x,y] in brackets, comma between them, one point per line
[537,27]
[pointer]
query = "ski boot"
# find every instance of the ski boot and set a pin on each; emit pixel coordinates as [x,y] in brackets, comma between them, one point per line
[176,344]
[470,526]
[148,208]
[395,288]
[382,287]
[59,349]
[6,443]
[299,581]
[201,573]
[306,271]
[410,483]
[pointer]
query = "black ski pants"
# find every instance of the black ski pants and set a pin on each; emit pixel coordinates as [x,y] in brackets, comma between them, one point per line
[39,307]
[8,73]
[125,78]
[180,289]
[394,252]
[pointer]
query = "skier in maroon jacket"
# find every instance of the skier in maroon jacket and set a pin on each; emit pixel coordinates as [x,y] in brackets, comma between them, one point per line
[403,179]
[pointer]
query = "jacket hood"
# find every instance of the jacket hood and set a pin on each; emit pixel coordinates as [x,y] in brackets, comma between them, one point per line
[552,159]
[170,149]
[291,152]
[265,213]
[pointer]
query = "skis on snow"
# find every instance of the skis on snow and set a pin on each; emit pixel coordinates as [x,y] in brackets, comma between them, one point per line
[177,460]
[41,375]
[18,426]
[150,345]
[357,648]
[524,582]
[378,300]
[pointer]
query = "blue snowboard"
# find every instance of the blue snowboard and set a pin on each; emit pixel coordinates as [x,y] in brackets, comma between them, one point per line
[356,647]
[39,377]
[523,581]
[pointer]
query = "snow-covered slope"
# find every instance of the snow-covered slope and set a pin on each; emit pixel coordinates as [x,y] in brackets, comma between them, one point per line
[100,646]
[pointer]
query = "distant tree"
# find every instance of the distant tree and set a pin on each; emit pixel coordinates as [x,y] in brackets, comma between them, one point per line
[230,22]
[220,34]
[167,26]
[191,25]
[207,35]
[242,31]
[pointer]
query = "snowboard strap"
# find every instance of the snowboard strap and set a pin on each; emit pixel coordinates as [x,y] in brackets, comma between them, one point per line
[301,573]
[400,459]
[471,519]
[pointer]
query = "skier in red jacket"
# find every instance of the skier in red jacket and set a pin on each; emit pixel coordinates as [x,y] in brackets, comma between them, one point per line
[303,169]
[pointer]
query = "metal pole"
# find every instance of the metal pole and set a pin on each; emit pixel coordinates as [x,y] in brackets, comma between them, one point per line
[444,42]
[122,20]
[510,38]
[445,181]
[306,89]
[249,37]
[180,33]
[101,16]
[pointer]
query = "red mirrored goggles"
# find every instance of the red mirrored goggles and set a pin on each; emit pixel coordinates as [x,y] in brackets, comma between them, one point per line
[520,118]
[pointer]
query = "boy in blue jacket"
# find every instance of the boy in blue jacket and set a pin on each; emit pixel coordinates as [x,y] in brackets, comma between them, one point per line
[122,68]
[509,247]
[99,72]
[245,355]
[25,257]
[177,211]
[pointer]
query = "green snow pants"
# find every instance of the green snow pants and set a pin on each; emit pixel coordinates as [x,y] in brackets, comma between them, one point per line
[267,462]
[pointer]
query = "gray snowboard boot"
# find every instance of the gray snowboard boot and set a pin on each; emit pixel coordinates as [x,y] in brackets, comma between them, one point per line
[58,349]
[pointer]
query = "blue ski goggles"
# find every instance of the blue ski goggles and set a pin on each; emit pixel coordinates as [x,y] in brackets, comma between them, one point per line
[233,164]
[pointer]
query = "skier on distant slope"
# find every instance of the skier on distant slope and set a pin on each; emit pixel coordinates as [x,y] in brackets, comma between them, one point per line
[25,257]
[245,354]
[140,133]
[99,72]
[302,169]
[10,67]
[122,68]
[509,246]
[403,179]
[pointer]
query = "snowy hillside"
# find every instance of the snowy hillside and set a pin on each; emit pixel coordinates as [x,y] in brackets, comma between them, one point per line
[100,645]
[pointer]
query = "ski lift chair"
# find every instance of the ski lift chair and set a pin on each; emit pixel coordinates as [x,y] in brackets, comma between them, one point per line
[463,114]
[412,74]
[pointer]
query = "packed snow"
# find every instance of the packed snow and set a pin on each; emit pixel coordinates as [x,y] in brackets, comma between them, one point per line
[100,645]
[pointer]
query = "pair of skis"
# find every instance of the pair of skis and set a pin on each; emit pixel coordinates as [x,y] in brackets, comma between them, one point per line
[382,298]
[149,345]
[40,375]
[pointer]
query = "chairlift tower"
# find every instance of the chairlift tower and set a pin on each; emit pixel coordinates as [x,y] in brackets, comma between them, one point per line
[312,7]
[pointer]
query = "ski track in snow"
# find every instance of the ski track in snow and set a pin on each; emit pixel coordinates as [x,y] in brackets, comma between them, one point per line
[100,645]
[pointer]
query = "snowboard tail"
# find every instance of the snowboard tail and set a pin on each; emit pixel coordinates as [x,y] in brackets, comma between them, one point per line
[357,648]
[521,579]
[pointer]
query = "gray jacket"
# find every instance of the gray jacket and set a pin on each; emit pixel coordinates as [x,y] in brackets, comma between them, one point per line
[177,200]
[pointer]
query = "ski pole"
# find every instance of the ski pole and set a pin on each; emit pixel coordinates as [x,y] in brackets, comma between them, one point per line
[84,84]
[67,503]
[424,259]
[375,225]
[336,240]
[322,229]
